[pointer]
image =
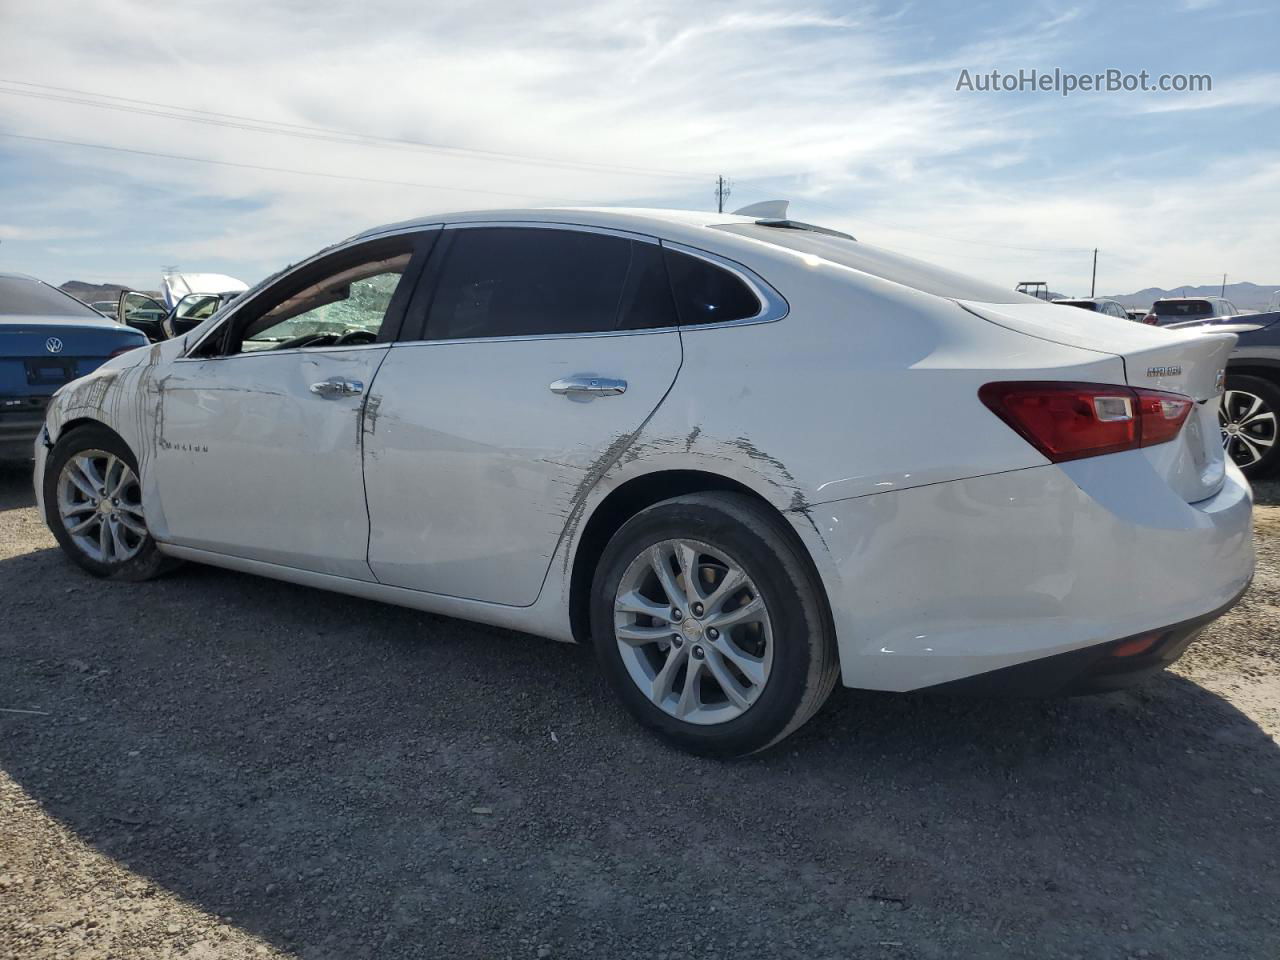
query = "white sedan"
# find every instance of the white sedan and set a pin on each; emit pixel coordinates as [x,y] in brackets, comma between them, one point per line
[742,456]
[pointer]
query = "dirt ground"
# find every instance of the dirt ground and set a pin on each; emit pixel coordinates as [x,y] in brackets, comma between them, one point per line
[214,765]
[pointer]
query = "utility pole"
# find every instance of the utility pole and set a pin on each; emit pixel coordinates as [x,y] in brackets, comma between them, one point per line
[1093,284]
[1223,292]
[723,189]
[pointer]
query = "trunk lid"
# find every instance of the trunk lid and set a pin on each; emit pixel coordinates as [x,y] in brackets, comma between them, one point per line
[1190,361]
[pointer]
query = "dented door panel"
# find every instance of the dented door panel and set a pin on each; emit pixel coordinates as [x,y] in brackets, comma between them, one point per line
[250,462]
[475,467]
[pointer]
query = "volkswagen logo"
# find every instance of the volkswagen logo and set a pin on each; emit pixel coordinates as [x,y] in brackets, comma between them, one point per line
[53,345]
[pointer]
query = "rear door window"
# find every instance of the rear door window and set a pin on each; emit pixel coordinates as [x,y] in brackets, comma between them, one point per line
[535,281]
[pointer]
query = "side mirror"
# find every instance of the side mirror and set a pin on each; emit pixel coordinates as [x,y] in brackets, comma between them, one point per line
[143,313]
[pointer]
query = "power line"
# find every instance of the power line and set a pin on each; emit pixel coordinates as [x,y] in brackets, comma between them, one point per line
[302,131]
[290,170]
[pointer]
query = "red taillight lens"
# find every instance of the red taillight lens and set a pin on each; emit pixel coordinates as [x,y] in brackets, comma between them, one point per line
[1151,319]
[115,353]
[1068,421]
[1161,415]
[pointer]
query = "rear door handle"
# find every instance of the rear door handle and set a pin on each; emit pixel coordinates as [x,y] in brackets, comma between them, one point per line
[589,386]
[337,387]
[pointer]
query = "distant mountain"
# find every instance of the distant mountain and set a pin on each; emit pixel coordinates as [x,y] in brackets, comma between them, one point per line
[89,292]
[1246,296]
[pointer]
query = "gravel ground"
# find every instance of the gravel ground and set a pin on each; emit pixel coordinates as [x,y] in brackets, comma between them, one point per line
[223,766]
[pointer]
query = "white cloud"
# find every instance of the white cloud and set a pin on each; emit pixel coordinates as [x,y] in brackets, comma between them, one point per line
[844,105]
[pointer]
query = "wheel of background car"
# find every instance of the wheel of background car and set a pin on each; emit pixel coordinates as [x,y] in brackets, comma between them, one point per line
[93,502]
[355,337]
[1248,415]
[710,624]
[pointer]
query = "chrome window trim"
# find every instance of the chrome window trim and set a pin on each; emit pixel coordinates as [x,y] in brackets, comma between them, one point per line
[555,225]
[253,292]
[293,351]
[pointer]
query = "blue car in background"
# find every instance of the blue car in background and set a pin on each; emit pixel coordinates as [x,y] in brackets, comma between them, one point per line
[47,338]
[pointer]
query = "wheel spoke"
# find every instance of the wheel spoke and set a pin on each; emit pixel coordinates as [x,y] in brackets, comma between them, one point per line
[89,470]
[83,525]
[1248,443]
[76,508]
[82,483]
[751,667]
[659,560]
[637,636]
[131,508]
[1264,416]
[118,547]
[133,526]
[732,689]
[687,555]
[104,542]
[752,610]
[666,677]
[634,602]
[728,585]
[690,699]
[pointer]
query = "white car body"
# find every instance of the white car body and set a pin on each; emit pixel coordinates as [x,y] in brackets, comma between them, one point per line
[457,483]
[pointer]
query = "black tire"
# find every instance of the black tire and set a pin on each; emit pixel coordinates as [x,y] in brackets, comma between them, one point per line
[805,666]
[1244,451]
[149,562]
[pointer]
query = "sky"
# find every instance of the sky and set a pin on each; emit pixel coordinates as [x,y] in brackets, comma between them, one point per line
[237,136]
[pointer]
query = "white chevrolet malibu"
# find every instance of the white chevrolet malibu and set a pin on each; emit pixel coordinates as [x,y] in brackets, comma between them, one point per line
[743,457]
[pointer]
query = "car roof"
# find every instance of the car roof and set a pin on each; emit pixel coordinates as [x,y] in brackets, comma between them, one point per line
[6,275]
[638,219]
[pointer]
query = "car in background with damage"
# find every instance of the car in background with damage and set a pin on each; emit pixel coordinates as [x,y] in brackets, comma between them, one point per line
[186,300]
[47,339]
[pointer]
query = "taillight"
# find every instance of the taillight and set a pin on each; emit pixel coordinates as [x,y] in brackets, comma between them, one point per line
[1160,415]
[1151,319]
[1068,421]
[115,353]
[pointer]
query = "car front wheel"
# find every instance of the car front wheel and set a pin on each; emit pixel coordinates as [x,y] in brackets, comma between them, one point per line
[709,624]
[93,503]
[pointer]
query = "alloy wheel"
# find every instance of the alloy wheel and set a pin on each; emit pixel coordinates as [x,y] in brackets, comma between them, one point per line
[100,504]
[693,631]
[1248,427]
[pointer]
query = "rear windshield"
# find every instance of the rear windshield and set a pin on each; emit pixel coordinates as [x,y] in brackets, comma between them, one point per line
[20,296]
[1082,304]
[879,263]
[1183,308]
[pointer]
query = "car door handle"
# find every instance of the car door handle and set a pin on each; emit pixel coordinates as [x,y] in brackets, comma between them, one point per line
[589,386]
[337,387]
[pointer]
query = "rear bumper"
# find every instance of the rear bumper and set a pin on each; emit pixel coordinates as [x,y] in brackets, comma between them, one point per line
[1096,669]
[969,578]
[21,418]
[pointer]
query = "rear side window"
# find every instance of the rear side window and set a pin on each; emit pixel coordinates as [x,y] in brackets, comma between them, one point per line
[19,296]
[532,281]
[706,293]
[1183,309]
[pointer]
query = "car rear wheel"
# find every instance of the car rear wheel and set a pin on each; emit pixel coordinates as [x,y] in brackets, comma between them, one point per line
[1248,415]
[709,624]
[93,502]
